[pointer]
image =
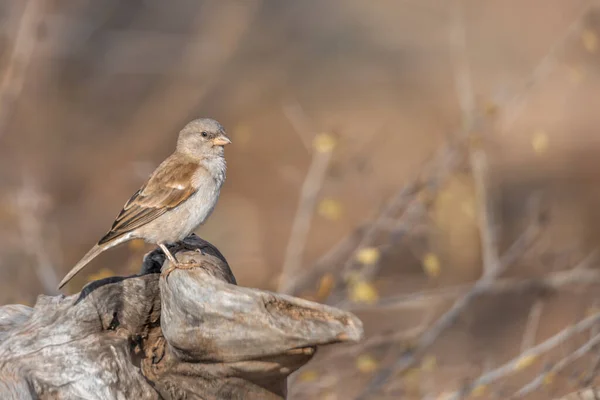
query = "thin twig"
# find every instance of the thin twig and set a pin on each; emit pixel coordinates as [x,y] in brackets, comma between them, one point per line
[485,210]
[407,360]
[301,225]
[590,393]
[325,262]
[580,274]
[559,366]
[514,107]
[378,340]
[531,354]
[481,286]
[401,200]
[431,178]
[477,158]
[593,371]
[407,200]
[531,328]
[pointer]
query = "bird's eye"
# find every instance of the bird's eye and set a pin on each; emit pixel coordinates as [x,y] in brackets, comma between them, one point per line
[204,134]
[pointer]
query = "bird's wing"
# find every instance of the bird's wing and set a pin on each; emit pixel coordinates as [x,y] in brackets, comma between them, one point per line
[169,186]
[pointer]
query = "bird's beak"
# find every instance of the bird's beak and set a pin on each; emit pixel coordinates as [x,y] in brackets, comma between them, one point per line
[221,140]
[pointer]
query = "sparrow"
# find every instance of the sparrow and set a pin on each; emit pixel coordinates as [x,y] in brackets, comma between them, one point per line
[177,197]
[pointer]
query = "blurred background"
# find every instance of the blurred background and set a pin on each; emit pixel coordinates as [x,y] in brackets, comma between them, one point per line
[430,165]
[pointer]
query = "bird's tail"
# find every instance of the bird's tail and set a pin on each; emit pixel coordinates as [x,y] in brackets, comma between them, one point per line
[90,255]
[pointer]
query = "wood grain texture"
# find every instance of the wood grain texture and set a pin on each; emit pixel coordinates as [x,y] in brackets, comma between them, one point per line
[196,335]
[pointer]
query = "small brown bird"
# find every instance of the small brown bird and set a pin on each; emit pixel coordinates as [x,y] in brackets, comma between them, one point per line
[177,198]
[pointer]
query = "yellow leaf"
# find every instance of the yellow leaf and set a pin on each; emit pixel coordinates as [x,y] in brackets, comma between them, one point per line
[478,391]
[429,363]
[325,286]
[101,274]
[524,362]
[324,142]
[368,255]
[431,265]
[330,209]
[363,292]
[539,142]
[366,363]
[308,376]
[589,40]
[136,245]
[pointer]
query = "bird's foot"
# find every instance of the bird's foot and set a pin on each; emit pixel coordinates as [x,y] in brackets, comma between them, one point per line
[179,265]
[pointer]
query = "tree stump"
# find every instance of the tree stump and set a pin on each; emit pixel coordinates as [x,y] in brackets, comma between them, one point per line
[194,334]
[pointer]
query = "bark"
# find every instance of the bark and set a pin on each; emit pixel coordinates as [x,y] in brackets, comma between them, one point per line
[193,334]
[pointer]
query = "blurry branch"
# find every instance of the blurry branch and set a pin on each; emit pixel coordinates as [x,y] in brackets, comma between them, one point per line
[527,357]
[382,339]
[19,59]
[591,393]
[399,336]
[413,200]
[477,157]
[595,363]
[30,202]
[403,200]
[531,328]
[516,104]
[560,365]
[581,274]
[325,263]
[485,210]
[408,359]
[410,201]
[308,199]
[494,266]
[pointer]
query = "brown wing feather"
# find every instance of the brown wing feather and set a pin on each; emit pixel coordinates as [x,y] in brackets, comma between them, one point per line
[169,186]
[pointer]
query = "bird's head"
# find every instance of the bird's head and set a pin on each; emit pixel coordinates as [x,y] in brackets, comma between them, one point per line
[203,137]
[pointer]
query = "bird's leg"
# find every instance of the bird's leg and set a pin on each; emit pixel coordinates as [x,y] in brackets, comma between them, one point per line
[170,256]
[174,262]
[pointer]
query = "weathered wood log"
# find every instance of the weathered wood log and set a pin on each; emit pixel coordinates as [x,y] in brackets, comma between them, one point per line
[194,334]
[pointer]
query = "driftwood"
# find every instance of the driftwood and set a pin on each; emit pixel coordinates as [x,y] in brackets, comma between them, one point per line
[192,335]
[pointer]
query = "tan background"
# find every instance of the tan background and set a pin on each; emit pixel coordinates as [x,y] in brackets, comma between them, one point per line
[108,84]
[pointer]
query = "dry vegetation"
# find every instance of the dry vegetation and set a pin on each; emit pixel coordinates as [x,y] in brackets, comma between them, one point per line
[428,165]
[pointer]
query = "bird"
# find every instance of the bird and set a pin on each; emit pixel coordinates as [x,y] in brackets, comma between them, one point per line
[176,199]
